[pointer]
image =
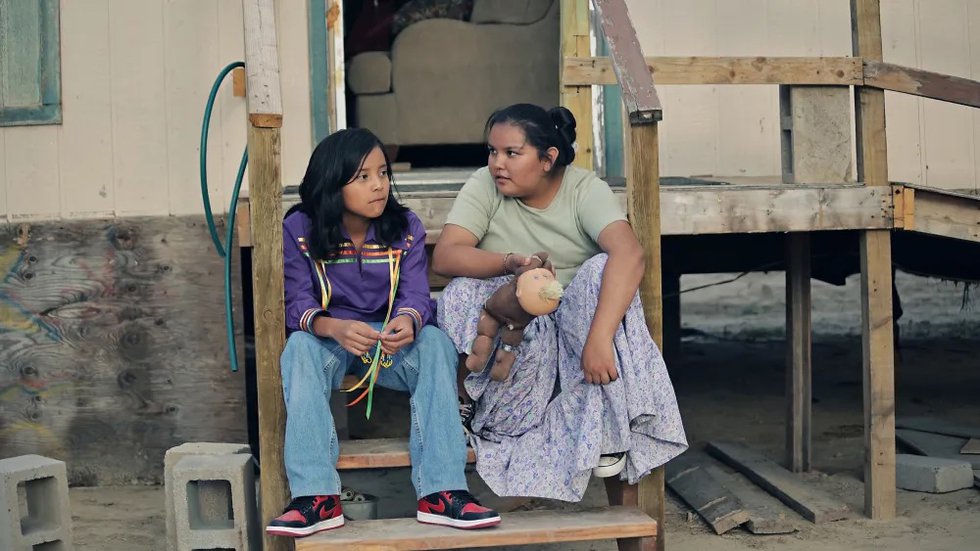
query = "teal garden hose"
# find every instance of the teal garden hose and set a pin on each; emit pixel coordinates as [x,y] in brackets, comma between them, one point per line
[224,250]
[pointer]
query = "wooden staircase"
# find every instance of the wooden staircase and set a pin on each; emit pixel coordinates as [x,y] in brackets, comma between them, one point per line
[633,529]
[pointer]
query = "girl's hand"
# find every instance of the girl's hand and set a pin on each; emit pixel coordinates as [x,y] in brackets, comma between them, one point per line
[399,333]
[356,337]
[513,261]
[598,362]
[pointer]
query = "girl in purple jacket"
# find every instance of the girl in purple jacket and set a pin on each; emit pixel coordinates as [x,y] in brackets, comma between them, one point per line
[357,302]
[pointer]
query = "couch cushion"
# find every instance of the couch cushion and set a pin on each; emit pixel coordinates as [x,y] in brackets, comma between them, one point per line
[370,73]
[514,12]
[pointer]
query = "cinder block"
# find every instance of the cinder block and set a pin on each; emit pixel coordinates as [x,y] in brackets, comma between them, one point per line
[34,508]
[816,134]
[214,503]
[170,460]
[931,474]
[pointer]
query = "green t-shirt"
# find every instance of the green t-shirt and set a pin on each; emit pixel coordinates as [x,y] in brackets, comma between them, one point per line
[568,229]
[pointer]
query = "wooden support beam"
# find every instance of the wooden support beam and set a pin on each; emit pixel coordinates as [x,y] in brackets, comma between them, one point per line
[265,203]
[643,189]
[841,71]
[799,377]
[262,64]
[940,212]
[575,42]
[927,84]
[876,279]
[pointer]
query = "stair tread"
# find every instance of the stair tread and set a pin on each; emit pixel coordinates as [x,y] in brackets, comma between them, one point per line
[519,528]
[379,453]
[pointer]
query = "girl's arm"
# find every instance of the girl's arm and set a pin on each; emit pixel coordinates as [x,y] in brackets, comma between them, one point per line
[456,255]
[413,287]
[620,281]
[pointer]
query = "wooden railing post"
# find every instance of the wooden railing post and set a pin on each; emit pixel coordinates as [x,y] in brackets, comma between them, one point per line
[265,198]
[876,279]
[643,188]
[577,99]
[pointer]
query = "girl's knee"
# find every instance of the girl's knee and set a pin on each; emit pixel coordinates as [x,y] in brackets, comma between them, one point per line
[595,265]
[439,344]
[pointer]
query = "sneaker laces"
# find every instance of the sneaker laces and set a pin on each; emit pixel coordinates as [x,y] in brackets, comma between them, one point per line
[464,496]
[300,504]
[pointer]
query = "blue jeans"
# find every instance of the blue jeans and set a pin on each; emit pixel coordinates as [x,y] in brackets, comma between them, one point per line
[312,367]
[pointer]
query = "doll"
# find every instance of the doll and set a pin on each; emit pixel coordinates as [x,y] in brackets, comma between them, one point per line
[532,292]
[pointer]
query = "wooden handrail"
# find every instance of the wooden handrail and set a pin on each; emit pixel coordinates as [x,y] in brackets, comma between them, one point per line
[926,84]
[845,71]
[831,71]
[639,94]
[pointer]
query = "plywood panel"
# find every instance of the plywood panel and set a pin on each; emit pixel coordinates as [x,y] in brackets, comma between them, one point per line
[190,60]
[792,27]
[139,118]
[947,129]
[689,134]
[748,119]
[974,30]
[229,119]
[833,28]
[140,300]
[30,155]
[294,71]
[902,112]
[3,178]
[86,133]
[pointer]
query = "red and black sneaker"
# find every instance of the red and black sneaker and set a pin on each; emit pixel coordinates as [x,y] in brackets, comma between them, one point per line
[307,515]
[456,508]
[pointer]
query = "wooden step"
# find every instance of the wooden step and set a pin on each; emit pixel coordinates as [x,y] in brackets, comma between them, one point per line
[379,453]
[522,528]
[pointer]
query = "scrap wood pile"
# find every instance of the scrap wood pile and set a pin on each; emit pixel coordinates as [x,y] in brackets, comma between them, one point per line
[765,498]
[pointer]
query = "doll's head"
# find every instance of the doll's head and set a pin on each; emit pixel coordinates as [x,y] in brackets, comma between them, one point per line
[538,292]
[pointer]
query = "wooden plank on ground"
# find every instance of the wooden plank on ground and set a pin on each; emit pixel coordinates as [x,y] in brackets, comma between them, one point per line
[705,494]
[971,447]
[767,515]
[815,505]
[523,528]
[936,445]
[379,453]
[938,425]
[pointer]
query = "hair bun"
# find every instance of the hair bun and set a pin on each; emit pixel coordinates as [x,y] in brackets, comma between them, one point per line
[565,125]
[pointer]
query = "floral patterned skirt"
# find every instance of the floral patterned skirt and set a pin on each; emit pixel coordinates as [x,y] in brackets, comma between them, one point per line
[540,432]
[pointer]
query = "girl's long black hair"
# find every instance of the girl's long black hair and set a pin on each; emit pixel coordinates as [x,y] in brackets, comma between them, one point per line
[334,163]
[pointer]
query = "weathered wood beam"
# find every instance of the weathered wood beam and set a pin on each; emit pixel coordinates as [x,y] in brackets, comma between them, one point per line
[927,84]
[636,82]
[711,209]
[944,213]
[575,41]
[876,279]
[799,352]
[265,204]
[844,71]
[262,64]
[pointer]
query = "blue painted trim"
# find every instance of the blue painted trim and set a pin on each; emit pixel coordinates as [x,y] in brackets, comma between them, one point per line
[612,116]
[48,111]
[319,65]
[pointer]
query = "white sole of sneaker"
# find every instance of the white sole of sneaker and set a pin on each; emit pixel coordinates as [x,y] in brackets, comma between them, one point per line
[607,471]
[429,518]
[328,524]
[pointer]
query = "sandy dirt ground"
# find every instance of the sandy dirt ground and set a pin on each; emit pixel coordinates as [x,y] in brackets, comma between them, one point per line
[730,384]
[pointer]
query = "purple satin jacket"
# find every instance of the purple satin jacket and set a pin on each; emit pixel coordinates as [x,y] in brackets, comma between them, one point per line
[355,286]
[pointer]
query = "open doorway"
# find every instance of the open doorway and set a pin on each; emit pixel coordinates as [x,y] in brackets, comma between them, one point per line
[424,75]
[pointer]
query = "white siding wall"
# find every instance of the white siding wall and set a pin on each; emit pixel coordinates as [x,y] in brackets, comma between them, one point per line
[135,78]
[733,130]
